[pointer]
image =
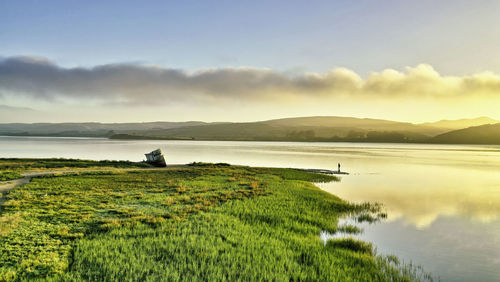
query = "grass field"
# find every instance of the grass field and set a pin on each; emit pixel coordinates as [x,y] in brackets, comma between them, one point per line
[199,223]
[27,164]
[11,168]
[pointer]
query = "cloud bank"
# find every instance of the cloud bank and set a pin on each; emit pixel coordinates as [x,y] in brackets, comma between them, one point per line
[39,78]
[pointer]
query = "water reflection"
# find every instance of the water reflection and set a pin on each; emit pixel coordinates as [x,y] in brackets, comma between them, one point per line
[421,194]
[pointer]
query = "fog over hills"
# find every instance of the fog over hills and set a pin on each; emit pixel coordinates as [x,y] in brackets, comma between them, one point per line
[461,123]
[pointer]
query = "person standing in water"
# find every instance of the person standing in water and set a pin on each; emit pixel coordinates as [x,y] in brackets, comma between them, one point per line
[339,167]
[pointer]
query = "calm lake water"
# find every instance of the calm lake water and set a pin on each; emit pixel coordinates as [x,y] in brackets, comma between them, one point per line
[443,201]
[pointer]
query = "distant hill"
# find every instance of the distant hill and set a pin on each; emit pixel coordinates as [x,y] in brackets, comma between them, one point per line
[347,124]
[319,128]
[88,129]
[461,123]
[483,134]
[299,129]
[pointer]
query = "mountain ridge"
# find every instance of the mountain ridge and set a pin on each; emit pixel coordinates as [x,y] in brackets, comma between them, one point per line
[313,128]
[461,123]
[487,134]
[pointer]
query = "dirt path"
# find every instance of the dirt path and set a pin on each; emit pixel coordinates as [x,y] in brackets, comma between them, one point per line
[5,186]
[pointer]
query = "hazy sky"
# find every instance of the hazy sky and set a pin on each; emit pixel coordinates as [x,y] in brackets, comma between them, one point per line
[248,60]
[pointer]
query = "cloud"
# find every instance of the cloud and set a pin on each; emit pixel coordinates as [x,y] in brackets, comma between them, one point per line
[16,109]
[16,114]
[37,77]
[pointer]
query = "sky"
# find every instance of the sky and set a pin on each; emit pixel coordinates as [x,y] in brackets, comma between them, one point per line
[134,61]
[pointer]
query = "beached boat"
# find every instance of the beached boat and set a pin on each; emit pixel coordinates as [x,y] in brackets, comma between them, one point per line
[156,158]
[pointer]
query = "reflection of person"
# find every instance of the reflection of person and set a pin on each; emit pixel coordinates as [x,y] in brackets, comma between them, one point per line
[339,167]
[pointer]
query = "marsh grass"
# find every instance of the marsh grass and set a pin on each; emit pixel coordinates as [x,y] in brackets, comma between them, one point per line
[20,165]
[396,270]
[9,175]
[349,229]
[350,244]
[201,223]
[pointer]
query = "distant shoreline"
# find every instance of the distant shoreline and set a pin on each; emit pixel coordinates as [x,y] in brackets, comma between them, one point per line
[319,140]
[138,137]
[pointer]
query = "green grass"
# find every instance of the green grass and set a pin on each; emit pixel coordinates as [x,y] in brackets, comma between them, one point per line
[202,223]
[9,175]
[350,244]
[17,164]
[11,168]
